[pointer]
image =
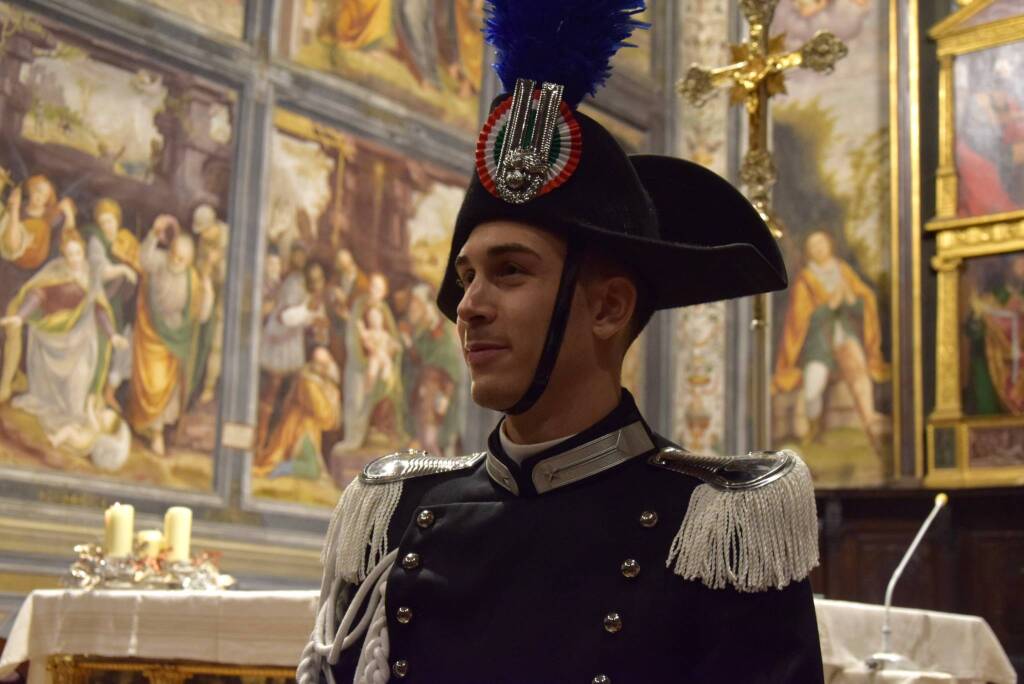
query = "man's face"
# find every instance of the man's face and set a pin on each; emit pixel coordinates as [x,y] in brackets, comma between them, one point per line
[108,224]
[74,253]
[510,272]
[378,288]
[297,260]
[272,268]
[315,280]
[39,195]
[344,263]
[819,249]
[181,255]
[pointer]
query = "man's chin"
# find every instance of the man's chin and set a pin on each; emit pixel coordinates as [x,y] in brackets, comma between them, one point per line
[491,393]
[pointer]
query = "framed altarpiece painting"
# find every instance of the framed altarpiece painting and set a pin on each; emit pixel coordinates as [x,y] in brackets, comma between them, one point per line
[975,434]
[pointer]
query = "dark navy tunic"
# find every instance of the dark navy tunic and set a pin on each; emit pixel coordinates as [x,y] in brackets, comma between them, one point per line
[571,585]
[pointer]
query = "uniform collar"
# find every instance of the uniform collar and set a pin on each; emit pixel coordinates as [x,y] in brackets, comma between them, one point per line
[616,438]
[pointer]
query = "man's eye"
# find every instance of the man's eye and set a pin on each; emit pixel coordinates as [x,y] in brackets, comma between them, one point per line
[464,280]
[510,269]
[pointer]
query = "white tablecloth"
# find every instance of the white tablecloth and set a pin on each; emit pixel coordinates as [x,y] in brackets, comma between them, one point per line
[268,628]
[271,627]
[945,647]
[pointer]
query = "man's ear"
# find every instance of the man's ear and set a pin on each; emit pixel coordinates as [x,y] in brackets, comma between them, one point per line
[613,305]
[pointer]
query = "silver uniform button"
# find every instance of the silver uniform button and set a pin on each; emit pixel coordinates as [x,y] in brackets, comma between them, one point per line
[630,568]
[601,679]
[425,518]
[400,668]
[612,623]
[411,561]
[404,615]
[648,518]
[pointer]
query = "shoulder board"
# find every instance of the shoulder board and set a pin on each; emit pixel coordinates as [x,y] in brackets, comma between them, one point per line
[752,525]
[735,473]
[410,463]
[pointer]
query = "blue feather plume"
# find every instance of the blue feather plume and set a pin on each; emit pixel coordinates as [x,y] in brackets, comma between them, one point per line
[570,42]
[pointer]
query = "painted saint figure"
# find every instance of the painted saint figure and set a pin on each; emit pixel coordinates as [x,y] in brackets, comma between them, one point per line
[378,404]
[995,333]
[313,406]
[113,253]
[70,332]
[174,300]
[831,328]
[435,372]
[26,229]
[211,262]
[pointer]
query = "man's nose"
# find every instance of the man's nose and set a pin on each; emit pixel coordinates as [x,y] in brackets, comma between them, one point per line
[475,306]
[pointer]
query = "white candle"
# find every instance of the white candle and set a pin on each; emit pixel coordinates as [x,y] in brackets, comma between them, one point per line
[120,524]
[178,533]
[150,542]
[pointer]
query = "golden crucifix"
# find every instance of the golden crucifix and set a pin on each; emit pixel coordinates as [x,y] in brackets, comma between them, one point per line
[756,75]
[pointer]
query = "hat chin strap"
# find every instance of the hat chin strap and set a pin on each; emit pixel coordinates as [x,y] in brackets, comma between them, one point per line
[556,330]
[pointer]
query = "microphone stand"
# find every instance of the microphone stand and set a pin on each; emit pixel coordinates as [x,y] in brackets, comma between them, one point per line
[886,658]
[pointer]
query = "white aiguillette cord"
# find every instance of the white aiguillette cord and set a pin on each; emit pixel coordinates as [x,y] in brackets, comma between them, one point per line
[326,644]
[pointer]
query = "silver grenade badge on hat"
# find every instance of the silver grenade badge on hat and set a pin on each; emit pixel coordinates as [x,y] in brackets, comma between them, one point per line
[524,166]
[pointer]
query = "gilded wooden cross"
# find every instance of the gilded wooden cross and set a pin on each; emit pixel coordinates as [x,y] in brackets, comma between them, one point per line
[756,75]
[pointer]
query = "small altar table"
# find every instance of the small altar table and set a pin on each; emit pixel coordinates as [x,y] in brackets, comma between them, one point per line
[170,636]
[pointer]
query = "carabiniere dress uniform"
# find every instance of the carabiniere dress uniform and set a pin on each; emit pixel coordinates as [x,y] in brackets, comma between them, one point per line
[612,556]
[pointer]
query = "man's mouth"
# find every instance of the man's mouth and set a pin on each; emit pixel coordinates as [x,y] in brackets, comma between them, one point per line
[481,352]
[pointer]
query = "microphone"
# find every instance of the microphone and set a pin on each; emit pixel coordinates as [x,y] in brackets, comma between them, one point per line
[886,658]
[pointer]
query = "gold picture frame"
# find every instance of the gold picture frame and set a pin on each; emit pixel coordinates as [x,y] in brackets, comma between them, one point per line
[972,439]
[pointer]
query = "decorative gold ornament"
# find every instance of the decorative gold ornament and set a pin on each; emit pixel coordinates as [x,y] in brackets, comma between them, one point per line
[756,75]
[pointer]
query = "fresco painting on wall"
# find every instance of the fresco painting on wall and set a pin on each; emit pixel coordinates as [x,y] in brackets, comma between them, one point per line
[989,111]
[355,358]
[113,177]
[831,385]
[992,335]
[427,55]
[226,16]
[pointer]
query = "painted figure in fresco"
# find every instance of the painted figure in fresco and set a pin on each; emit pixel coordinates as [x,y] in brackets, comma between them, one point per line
[427,34]
[105,436]
[435,369]
[801,19]
[990,138]
[312,407]
[28,223]
[380,404]
[211,262]
[299,307]
[378,346]
[461,42]
[271,282]
[831,330]
[114,261]
[995,333]
[347,283]
[173,302]
[70,332]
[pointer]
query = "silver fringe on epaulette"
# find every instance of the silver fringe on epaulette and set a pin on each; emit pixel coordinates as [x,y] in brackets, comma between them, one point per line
[752,540]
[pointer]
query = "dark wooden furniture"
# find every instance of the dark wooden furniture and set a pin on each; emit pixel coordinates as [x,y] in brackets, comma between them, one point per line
[971,561]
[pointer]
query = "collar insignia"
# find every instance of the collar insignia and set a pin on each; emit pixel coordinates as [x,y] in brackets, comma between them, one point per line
[530,144]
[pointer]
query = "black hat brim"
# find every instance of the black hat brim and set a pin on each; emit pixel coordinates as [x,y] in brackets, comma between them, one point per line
[712,245]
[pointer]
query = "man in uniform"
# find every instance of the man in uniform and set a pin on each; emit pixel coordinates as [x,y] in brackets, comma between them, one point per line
[580,546]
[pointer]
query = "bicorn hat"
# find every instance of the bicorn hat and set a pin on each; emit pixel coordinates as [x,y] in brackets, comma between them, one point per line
[687,233]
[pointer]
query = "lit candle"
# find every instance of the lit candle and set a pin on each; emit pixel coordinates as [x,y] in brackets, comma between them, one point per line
[150,542]
[178,533]
[120,524]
